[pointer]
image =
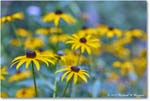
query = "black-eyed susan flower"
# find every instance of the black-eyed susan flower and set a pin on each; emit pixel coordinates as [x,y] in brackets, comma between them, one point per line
[83,42]
[33,43]
[27,92]
[14,42]
[75,73]
[57,16]
[12,17]
[135,33]
[126,67]
[31,57]
[87,31]
[3,73]
[19,76]
[4,94]
[23,32]
[58,38]
[109,32]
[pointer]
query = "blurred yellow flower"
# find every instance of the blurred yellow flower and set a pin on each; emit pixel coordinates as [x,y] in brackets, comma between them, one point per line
[31,57]
[104,30]
[23,32]
[83,42]
[14,42]
[126,67]
[140,65]
[70,58]
[58,38]
[28,92]
[12,17]
[112,76]
[3,72]
[73,72]
[135,33]
[33,43]
[4,94]
[42,31]
[57,16]
[87,31]
[19,76]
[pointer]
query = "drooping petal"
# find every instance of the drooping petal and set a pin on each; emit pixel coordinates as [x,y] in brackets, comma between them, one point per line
[63,76]
[13,64]
[36,64]
[85,74]
[18,58]
[82,77]
[69,76]
[61,70]
[75,78]
[27,64]
[56,20]
[43,60]
[19,64]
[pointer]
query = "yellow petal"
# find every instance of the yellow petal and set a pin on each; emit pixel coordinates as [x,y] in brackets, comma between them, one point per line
[13,64]
[61,70]
[75,78]
[19,57]
[43,60]
[19,64]
[88,49]
[56,20]
[85,74]
[82,77]
[82,49]
[49,60]
[63,76]
[69,76]
[36,64]
[27,64]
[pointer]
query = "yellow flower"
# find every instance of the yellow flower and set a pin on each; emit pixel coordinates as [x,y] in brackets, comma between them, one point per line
[83,42]
[42,31]
[3,72]
[87,31]
[140,65]
[23,32]
[57,16]
[73,72]
[113,32]
[31,57]
[71,58]
[109,32]
[4,94]
[12,17]
[14,42]
[135,33]
[58,38]
[112,76]
[45,31]
[19,76]
[28,92]
[33,43]
[126,67]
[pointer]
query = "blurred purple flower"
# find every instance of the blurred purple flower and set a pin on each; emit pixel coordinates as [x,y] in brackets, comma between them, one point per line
[33,10]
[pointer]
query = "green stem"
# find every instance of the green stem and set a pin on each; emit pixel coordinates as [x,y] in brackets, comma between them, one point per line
[64,92]
[34,79]
[55,83]
[78,62]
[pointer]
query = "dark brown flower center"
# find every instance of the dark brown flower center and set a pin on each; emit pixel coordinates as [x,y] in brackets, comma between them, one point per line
[23,92]
[84,28]
[111,28]
[31,54]
[75,69]
[83,40]
[58,12]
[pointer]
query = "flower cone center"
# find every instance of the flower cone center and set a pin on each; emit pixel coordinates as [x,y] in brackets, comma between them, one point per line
[75,69]
[31,54]
[83,40]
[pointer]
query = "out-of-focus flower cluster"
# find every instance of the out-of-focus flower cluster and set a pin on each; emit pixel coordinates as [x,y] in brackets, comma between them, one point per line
[96,60]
